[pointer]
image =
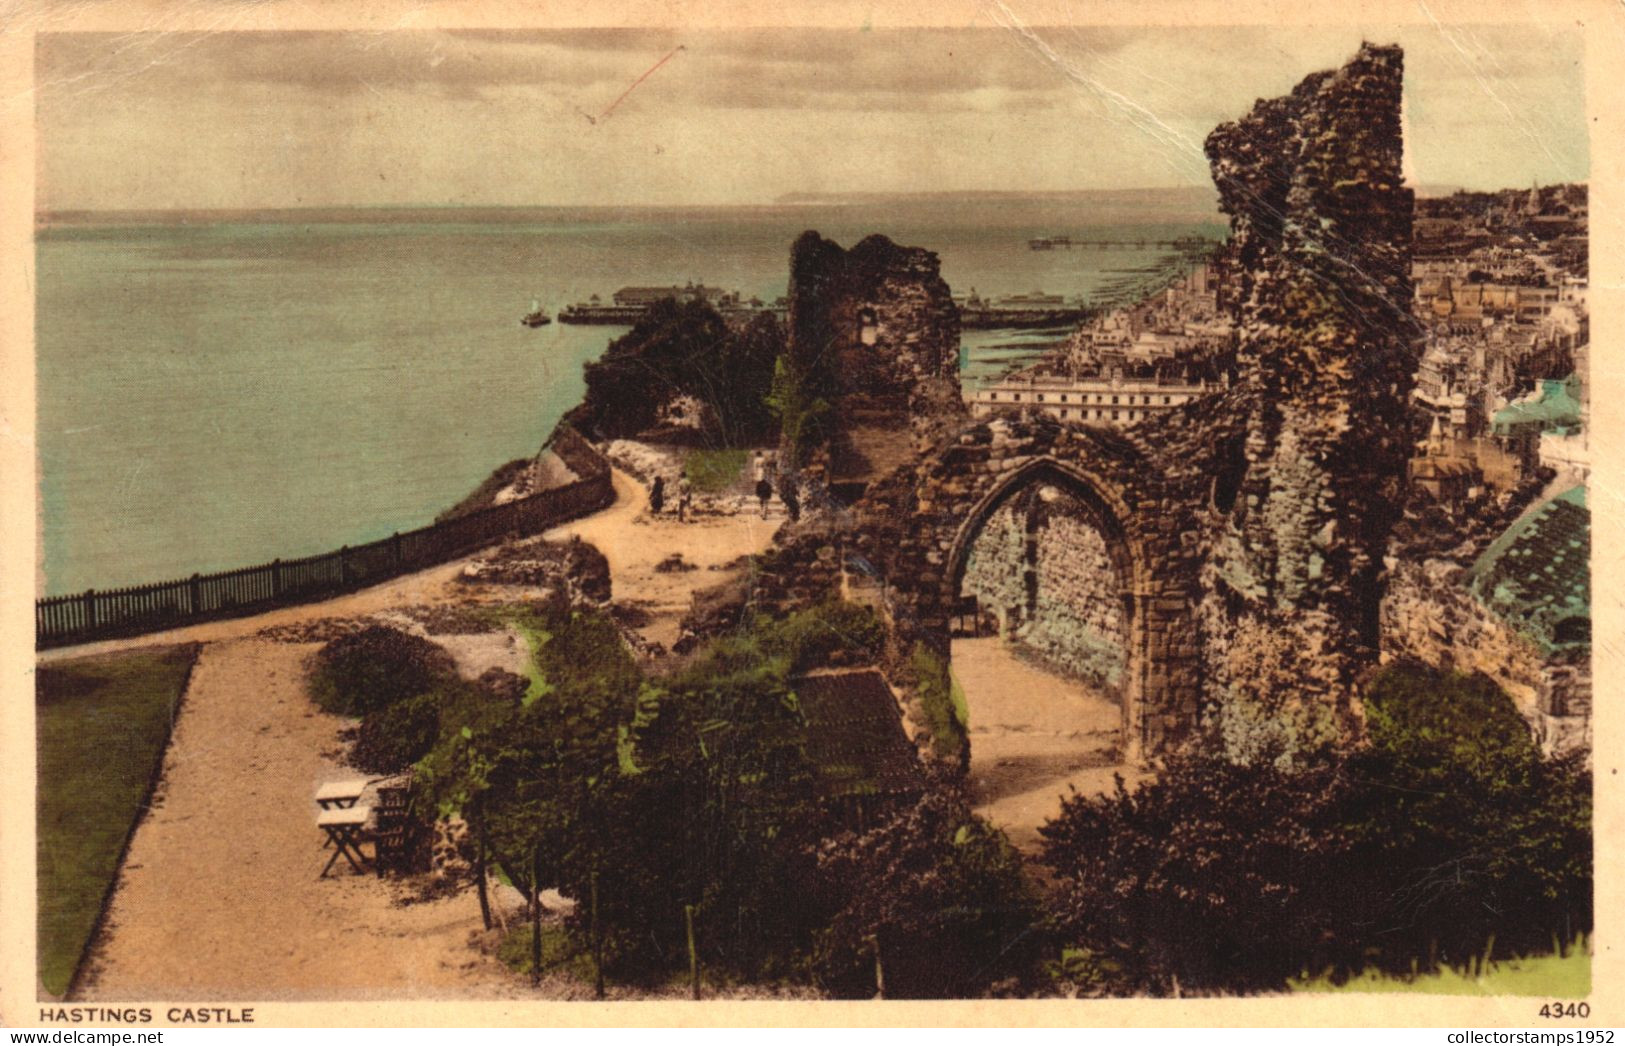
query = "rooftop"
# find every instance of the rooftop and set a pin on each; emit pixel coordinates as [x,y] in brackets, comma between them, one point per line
[855,736]
[1537,575]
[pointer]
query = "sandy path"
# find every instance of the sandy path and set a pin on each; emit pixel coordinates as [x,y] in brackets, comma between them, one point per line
[1033,736]
[631,541]
[634,542]
[219,897]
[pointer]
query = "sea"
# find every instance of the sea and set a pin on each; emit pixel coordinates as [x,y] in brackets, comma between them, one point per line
[217,391]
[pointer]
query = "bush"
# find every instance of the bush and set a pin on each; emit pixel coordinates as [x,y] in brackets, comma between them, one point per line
[1468,838]
[369,670]
[1446,837]
[937,896]
[1212,877]
[394,737]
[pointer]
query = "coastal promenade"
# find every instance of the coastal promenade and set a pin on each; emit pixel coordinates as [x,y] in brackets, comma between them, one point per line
[219,894]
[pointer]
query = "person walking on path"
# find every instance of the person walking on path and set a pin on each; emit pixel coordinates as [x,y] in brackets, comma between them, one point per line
[685,498]
[657,496]
[764,491]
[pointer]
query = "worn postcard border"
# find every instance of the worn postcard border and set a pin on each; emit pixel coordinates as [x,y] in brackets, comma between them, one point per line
[1603,24]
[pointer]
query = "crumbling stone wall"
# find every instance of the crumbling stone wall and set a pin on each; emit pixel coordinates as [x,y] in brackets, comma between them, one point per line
[874,333]
[1428,615]
[1320,230]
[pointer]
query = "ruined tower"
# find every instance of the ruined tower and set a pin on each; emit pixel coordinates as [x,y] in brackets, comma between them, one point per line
[1320,234]
[874,337]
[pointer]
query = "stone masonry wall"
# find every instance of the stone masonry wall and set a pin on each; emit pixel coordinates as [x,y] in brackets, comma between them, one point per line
[1078,622]
[1073,614]
[1429,616]
[1320,229]
[874,332]
[995,568]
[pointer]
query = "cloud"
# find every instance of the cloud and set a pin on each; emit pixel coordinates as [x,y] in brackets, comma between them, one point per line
[892,70]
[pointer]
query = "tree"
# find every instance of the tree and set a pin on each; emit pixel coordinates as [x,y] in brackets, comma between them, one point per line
[533,776]
[1445,836]
[685,349]
[933,903]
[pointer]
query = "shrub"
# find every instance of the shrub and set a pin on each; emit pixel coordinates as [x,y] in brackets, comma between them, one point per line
[394,737]
[1446,837]
[368,670]
[943,703]
[1466,836]
[812,638]
[1212,877]
[935,897]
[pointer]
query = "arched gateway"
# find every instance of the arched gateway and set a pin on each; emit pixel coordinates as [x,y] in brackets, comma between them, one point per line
[1093,499]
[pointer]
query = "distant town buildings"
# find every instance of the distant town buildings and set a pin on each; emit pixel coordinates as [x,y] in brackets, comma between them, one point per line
[1129,364]
[1101,401]
[1501,292]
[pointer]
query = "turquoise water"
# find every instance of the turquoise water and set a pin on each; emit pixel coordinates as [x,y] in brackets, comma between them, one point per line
[213,396]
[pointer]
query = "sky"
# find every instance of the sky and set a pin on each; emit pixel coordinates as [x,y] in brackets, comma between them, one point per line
[673,117]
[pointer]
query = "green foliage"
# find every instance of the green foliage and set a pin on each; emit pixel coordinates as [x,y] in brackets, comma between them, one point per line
[1464,830]
[537,774]
[560,951]
[944,703]
[713,471]
[686,349]
[1444,839]
[1551,976]
[101,727]
[1213,876]
[394,737]
[938,894]
[368,670]
[803,413]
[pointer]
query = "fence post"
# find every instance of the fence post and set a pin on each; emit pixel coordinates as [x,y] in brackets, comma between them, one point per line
[395,548]
[276,578]
[693,952]
[90,609]
[194,594]
[344,566]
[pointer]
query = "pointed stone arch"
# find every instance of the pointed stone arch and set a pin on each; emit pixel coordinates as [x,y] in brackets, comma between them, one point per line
[1112,517]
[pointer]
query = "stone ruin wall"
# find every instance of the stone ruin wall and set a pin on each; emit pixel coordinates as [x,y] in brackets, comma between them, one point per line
[1320,234]
[1428,616]
[876,332]
[1252,523]
[1074,619]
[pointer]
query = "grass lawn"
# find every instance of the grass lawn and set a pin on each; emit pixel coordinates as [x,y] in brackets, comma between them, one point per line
[101,729]
[713,471]
[1541,976]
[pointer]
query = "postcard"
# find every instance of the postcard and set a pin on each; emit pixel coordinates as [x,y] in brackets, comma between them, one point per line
[979,513]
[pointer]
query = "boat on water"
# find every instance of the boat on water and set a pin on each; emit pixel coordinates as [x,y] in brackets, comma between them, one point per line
[537,316]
